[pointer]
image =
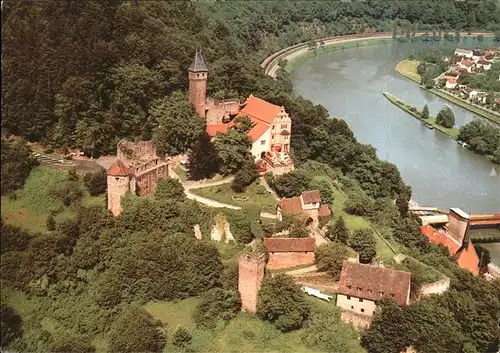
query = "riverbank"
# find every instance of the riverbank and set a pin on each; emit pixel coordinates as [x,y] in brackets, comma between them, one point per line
[413,111]
[408,68]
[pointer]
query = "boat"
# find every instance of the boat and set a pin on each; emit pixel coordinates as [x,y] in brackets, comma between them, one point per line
[463,144]
[429,126]
[493,172]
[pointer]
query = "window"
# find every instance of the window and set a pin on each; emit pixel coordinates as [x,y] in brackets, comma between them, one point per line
[360,300]
[392,295]
[197,75]
[349,287]
[362,310]
[381,293]
[263,142]
[359,289]
[284,126]
[352,307]
[285,137]
[117,179]
[370,291]
[348,297]
[273,128]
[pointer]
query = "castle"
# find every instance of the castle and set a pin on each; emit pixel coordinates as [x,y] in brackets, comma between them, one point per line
[271,125]
[137,170]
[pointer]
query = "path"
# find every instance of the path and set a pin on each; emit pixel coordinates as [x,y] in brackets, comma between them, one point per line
[302,271]
[266,186]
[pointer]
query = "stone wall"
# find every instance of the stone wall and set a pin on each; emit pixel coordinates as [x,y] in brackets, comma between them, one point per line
[437,287]
[250,274]
[356,320]
[279,260]
[282,169]
[117,188]
[142,150]
[198,91]
[147,180]
[218,111]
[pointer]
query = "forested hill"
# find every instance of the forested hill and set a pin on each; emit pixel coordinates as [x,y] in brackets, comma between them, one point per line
[85,73]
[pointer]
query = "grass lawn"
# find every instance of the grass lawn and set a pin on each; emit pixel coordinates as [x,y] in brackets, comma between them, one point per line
[32,204]
[257,196]
[173,313]
[408,68]
[181,172]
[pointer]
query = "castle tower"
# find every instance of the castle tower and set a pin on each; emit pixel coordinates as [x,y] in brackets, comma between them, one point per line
[198,74]
[118,184]
[250,275]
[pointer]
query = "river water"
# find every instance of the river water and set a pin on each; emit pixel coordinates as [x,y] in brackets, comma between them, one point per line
[349,83]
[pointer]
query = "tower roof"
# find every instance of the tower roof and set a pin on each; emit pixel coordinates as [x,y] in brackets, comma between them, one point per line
[118,169]
[198,64]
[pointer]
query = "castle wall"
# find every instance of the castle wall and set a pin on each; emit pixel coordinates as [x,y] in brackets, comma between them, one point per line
[117,188]
[198,91]
[437,287]
[250,275]
[147,180]
[219,110]
[143,150]
[279,260]
[356,320]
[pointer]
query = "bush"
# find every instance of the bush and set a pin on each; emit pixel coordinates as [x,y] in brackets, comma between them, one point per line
[181,337]
[11,325]
[363,242]
[169,189]
[216,304]
[445,117]
[17,163]
[69,192]
[282,303]
[96,183]
[291,184]
[245,176]
[329,258]
[50,223]
[338,231]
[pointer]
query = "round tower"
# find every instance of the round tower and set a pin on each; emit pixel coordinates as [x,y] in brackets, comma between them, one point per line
[198,75]
[118,181]
[250,274]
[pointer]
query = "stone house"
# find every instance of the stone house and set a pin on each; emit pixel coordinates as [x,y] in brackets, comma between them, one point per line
[361,286]
[271,125]
[137,170]
[308,203]
[289,252]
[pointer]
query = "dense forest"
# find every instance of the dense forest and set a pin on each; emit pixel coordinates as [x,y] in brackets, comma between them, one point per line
[86,74]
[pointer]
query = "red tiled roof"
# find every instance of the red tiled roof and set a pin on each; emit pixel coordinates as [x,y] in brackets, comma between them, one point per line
[458,58]
[311,196]
[324,211]
[452,81]
[497,101]
[118,169]
[212,130]
[468,259]
[467,62]
[289,244]
[438,237]
[260,109]
[483,62]
[291,205]
[484,217]
[257,130]
[374,283]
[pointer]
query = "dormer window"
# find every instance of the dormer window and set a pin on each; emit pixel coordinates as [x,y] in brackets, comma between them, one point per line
[392,295]
[349,287]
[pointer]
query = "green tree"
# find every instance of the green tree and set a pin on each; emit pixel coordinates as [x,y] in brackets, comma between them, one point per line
[446,117]
[363,242]
[181,337]
[135,331]
[17,163]
[292,184]
[96,183]
[50,224]
[329,258]
[245,176]
[425,112]
[282,303]
[338,231]
[169,189]
[202,158]
[178,126]
[216,304]
[325,188]
[233,149]
[11,325]
[70,343]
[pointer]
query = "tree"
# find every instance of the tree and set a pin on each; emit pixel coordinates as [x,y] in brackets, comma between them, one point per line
[291,184]
[17,163]
[202,158]
[135,331]
[178,126]
[216,304]
[169,189]
[11,325]
[50,223]
[329,258]
[325,188]
[96,183]
[363,242]
[282,303]
[480,37]
[338,231]
[70,343]
[233,149]
[181,337]
[445,117]
[312,45]
[245,176]
[425,112]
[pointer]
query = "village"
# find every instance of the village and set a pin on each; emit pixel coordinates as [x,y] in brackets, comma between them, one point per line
[361,283]
[464,64]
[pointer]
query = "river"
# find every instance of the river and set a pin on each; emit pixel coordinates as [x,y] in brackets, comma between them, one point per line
[350,83]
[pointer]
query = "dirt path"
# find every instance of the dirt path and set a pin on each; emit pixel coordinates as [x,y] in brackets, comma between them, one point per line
[302,271]
[266,186]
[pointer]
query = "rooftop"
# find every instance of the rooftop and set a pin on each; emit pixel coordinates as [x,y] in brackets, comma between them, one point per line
[291,205]
[198,64]
[374,283]
[289,244]
[311,196]
[118,169]
[260,109]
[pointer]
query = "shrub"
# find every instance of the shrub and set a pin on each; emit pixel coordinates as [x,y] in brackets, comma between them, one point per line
[181,337]
[17,163]
[329,258]
[216,304]
[96,183]
[245,176]
[363,242]
[50,223]
[169,189]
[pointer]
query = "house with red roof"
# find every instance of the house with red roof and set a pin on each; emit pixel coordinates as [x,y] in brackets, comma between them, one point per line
[271,125]
[308,203]
[451,83]
[289,252]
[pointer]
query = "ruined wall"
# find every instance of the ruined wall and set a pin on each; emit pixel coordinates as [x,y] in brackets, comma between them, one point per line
[117,188]
[198,91]
[279,260]
[219,111]
[437,287]
[356,320]
[282,169]
[250,275]
[142,150]
[147,179]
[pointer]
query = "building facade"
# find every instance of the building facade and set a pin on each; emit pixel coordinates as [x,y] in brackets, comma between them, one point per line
[137,170]
[308,203]
[271,125]
[289,252]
